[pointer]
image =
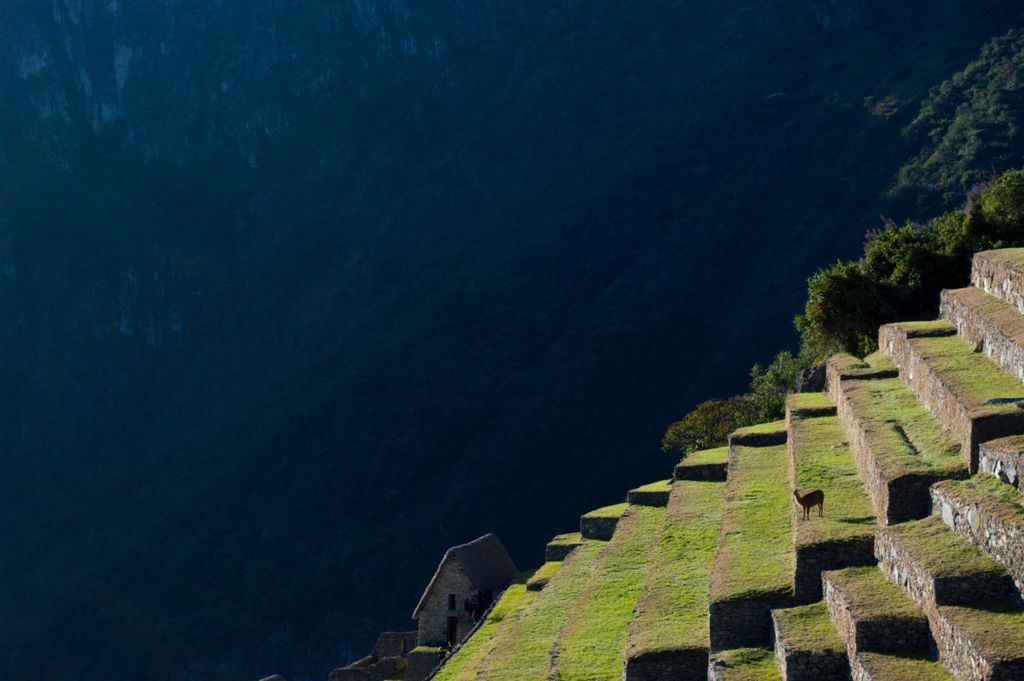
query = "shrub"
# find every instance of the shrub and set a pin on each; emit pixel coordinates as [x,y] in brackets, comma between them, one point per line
[709,425]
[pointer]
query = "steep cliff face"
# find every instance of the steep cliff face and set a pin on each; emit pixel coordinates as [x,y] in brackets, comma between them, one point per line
[284,288]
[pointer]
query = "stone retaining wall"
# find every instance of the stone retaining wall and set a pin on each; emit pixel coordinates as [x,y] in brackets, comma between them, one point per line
[876,635]
[985,335]
[1004,459]
[554,553]
[598,527]
[641,497]
[758,439]
[705,472]
[942,402]
[998,279]
[894,501]
[998,539]
[681,664]
[745,622]
[394,644]
[813,559]
[926,589]
[807,665]
[422,663]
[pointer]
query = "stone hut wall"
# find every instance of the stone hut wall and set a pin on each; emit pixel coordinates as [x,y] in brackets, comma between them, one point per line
[433,619]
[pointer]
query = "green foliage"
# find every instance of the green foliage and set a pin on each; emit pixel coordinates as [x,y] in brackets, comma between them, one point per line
[708,425]
[968,127]
[904,267]
[770,385]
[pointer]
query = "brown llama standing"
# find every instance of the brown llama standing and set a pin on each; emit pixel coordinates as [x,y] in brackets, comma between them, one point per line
[809,501]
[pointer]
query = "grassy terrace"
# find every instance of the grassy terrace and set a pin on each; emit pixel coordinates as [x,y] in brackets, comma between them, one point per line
[755,553]
[873,597]
[871,366]
[996,631]
[747,664]
[907,667]
[660,486]
[772,429]
[996,311]
[822,460]
[993,496]
[809,402]
[706,456]
[466,660]
[608,511]
[944,553]
[568,539]
[521,649]
[978,383]
[810,628]
[543,575]
[1011,257]
[904,435]
[672,612]
[590,643]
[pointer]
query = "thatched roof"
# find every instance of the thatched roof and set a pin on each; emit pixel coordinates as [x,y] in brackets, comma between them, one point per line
[485,561]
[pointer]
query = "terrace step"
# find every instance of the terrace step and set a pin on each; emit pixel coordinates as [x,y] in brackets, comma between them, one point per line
[709,464]
[990,324]
[873,615]
[967,392]
[936,567]
[1004,458]
[668,635]
[540,578]
[521,647]
[990,514]
[761,435]
[753,566]
[899,447]
[744,664]
[819,458]
[593,634]
[654,494]
[561,546]
[977,629]
[1001,273]
[897,667]
[466,660]
[600,523]
[807,647]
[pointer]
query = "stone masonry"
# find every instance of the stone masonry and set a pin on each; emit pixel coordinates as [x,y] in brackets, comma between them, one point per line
[598,527]
[994,533]
[878,634]
[1004,458]
[806,665]
[682,664]
[996,340]
[998,279]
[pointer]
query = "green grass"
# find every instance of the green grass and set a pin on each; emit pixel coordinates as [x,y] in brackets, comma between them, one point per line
[904,667]
[942,551]
[996,630]
[808,402]
[762,428]
[755,551]
[933,328]
[660,486]
[851,367]
[568,539]
[995,497]
[1011,257]
[427,649]
[822,460]
[590,643]
[464,663]
[810,627]
[879,361]
[521,650]
[747,664]
[904,435]
[608,511]
[543,575]
[672,612]
[706,456]
[971,376]
[1006,317]
[873,597]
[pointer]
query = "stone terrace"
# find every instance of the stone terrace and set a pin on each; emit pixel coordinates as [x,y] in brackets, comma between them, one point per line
[1004,458]
[1001,273]
[710,464]
[819,458]
[971,396]
[899,448]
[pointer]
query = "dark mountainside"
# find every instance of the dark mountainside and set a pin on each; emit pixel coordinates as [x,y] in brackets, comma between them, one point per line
[295,296]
